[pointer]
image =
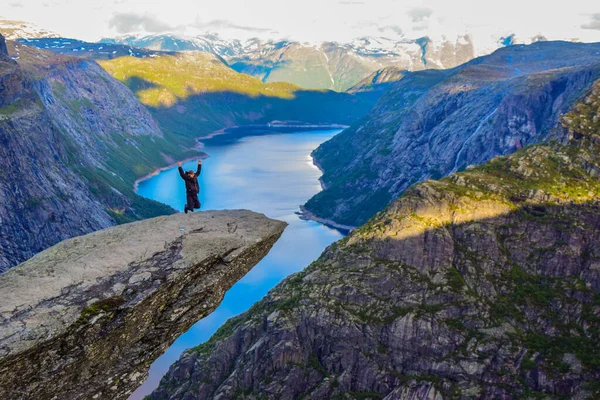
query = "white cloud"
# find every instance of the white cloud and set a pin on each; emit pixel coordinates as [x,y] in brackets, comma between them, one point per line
[594,23]
[314,20]
[131,22]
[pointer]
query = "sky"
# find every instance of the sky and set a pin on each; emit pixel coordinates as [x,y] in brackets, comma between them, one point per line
[313,20]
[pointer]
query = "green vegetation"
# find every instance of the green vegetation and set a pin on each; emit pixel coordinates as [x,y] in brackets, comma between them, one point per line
[10,109]
[164,80]
[193,94]
[102,306]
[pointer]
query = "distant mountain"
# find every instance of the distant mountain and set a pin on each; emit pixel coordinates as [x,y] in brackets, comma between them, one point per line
[95,51]
[195,93]
[208,43]
[436,122]
[73,142]
[378,83]
[326,65]
[385,76]
[12,30]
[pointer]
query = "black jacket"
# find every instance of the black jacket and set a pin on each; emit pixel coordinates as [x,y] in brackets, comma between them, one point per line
[191,184]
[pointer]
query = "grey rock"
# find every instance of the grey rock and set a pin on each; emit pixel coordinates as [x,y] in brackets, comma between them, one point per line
[433,123]
[86,317]
[482,285]
[3,49]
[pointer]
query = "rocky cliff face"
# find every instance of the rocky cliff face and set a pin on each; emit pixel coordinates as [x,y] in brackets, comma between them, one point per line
[433,123]
[3,49]
[73,140]
[86,318]
[485,284]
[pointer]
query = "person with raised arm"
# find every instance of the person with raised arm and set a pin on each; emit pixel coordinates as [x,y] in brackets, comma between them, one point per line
[192,188]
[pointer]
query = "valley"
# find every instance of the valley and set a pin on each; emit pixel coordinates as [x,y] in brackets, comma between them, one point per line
[479,285]
[404,207]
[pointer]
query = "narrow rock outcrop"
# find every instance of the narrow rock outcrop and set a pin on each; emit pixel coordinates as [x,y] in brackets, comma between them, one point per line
[85,318]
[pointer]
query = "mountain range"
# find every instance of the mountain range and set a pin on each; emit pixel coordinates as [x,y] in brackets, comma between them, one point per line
[436,122]
[325,65]
[484,284]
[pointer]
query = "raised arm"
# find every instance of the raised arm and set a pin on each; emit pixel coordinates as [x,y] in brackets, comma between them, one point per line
[199,168]
[181,173]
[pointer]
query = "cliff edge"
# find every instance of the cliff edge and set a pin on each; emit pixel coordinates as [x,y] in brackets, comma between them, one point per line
[86,317]
[481,285]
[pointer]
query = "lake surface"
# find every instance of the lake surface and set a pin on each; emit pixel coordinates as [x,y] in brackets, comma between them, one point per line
[272,174]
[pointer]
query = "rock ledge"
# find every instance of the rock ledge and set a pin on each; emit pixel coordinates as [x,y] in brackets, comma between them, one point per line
[86,317]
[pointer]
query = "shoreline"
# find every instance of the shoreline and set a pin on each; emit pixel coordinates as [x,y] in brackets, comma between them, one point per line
[267,126]
[320,168]
[307,215]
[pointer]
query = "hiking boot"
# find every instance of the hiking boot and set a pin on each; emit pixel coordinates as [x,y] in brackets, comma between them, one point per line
[185,209]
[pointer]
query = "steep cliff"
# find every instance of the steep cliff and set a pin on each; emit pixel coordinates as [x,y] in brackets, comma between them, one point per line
[72,140]
[485,284]
[433,123]
[3,49]
[86,318]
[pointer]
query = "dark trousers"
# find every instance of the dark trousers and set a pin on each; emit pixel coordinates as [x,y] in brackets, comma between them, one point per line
[192,201]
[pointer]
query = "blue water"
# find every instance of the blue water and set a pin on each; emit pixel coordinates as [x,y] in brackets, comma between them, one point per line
[271,174]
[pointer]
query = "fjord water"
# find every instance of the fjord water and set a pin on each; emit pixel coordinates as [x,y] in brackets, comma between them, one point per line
[272,174]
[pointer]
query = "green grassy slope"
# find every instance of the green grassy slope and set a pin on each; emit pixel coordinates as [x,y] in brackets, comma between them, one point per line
[195,93]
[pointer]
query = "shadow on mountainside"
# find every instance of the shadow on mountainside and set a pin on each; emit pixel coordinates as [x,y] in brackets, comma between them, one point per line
[203,113]
[500,306]
[484,284]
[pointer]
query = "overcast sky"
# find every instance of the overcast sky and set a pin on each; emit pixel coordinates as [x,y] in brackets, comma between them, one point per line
[312,20]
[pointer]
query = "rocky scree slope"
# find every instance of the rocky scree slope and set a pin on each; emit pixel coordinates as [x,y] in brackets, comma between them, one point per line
[85,319]
[485,284]
[378,83]
[72,140]
[432,123]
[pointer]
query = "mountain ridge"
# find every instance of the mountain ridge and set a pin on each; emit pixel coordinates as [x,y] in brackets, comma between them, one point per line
[483,284]
[70,170]
[432,123]
[324,65]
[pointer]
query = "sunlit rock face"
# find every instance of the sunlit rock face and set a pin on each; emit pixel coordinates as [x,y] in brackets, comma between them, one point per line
[484,284]
[86,317]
